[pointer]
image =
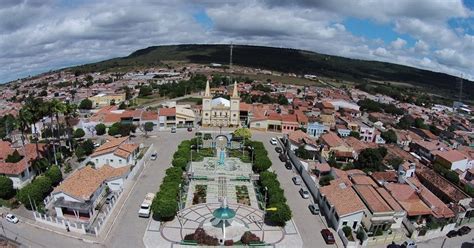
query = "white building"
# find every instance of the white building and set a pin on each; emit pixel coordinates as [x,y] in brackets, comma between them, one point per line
[220,111]
[116,152]
[21,172]
[341,205]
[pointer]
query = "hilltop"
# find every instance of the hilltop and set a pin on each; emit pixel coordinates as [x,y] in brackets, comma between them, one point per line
[288,61]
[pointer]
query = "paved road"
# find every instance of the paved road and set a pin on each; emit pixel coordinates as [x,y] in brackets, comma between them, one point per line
[128,230]
[466,241]
[30,236]
[308,225]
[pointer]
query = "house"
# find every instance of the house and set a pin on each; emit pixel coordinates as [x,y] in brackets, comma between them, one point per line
[185,116]
[166,117]
[299,138]
[333,144]
[78,195]
[342,130]
[341,205]
[103,99]
[289,123]
[427,149]
[316,129]
[21,172]
[116,152]
[452,159]
[366,132]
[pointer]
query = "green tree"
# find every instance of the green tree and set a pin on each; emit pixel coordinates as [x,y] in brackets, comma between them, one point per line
[148,127]
[79,133]
[54,174]
[14,157]
[88,147]
[80,153]
[324,180]
[122,105]
[405,122]
[261,163]
[354,134]
[145,91]
[420,123]
[6,188]
[281,215]
[243,133]
[114,130]
[452,177]
[180,162]
[100,129]
[389,136]
[85,104]
[282,100]
[303,153]
[371,158]
[41,164]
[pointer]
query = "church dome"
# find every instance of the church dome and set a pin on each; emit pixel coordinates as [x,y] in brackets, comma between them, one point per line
[220,101]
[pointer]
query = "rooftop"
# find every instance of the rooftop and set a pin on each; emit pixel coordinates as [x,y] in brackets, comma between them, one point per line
[342,197]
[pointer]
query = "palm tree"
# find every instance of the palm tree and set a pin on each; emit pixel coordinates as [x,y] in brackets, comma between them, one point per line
[24,119]
[70,111]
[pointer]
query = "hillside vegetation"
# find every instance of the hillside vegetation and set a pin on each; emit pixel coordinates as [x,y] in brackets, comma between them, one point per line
[287,60]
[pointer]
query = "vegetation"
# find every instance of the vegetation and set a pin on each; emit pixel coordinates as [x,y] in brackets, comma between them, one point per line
[148,127]
[85,104]
[284,60]
[54,174]
[355,134]
[201,238]
[100,129]
[389,136]
[243,133]
[32,195]
[370,159]
[348,233]
[325,180]
[15,157]
[373,106]
[303,153]
[123,129]
[6,188]
[276,199]
[79,133]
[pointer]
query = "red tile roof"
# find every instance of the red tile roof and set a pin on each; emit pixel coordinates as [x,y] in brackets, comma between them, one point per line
[167,111]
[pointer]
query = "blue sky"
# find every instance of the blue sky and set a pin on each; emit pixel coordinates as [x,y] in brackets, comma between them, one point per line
[37,36]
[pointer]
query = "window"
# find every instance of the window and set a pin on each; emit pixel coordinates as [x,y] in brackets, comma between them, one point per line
[111,161]
[96,161]
[120,161]
[235,115]
[354,226]
[344,223]
[206,114]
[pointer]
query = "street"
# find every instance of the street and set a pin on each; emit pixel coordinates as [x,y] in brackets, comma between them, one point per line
[30,236]
[309,225]
[128,229]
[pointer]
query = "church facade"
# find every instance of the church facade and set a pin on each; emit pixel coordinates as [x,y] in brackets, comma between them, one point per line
[220,112]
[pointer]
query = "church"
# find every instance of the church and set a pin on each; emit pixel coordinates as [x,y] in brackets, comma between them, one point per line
[220,112]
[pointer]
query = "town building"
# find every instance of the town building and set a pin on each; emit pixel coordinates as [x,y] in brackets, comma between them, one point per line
[105,99]
[220,112]
[116,152]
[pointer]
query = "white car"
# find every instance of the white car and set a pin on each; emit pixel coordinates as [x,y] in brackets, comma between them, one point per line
[154,156]
[304,193]
[12,218]
[273,141]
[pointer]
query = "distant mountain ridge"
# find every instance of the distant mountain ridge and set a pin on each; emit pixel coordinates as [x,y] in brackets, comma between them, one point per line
[290,61]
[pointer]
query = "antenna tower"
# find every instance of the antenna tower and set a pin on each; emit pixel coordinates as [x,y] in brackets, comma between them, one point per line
[230,62]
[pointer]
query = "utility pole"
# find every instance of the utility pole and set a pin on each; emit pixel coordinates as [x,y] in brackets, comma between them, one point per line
[230,61]
[460,89]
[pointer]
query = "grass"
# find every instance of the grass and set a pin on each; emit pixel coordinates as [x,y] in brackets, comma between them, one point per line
[147,100]
[192,100]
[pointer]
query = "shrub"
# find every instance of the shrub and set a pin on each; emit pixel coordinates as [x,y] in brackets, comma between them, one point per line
[85,104]
[347,231]
[54,174]
[35,192]
[179,162]
[100,129]
[88,147]
[14,157]
[79,133]
[324,180]
[249,237]
[281,215]
[148,126]
[262,163]
[6,188]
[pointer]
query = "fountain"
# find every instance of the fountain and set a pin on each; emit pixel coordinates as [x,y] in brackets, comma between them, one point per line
[223,224]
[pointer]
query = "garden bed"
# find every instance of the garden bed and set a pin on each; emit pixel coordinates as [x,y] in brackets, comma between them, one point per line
[200,192]
[242,195]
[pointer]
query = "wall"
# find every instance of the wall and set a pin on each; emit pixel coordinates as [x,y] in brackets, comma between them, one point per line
[56,196]
[60,223]
[111,159]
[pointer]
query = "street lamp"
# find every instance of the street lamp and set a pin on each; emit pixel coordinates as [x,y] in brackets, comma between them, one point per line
[179,202]
[265,200]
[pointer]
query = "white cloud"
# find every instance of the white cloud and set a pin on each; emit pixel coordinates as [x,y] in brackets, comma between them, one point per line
[399,43]
[38,35]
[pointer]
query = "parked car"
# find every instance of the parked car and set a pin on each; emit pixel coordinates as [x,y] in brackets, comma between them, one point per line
[409,244]
[464,230]
[282,157]
[328,236]
[452,233]
[278,149]
[314,208]
[273,141]
[190,129]
[296,180]
[173,129]
[288,165]
[304,193]
[109,198]
[154,156]
[12,218]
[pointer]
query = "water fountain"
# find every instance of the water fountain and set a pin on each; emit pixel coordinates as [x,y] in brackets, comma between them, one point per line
[223,224]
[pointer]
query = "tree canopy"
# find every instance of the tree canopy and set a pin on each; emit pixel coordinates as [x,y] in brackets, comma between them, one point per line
[85,104]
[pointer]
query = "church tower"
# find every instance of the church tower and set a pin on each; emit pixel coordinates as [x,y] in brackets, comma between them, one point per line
[235,107]
[206,106]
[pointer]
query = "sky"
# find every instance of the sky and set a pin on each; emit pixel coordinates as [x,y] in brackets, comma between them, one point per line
[42,35]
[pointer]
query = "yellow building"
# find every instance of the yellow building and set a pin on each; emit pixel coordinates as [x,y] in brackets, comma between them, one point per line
[220,112]
[101,100]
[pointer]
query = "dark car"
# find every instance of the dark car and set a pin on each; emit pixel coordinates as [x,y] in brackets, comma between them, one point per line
[452,233]
[282,157]
[288,165]
[464,230]
[190,129]
[328,236]
[278,149]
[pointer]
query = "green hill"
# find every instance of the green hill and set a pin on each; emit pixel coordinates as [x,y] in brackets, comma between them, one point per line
[288,60]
